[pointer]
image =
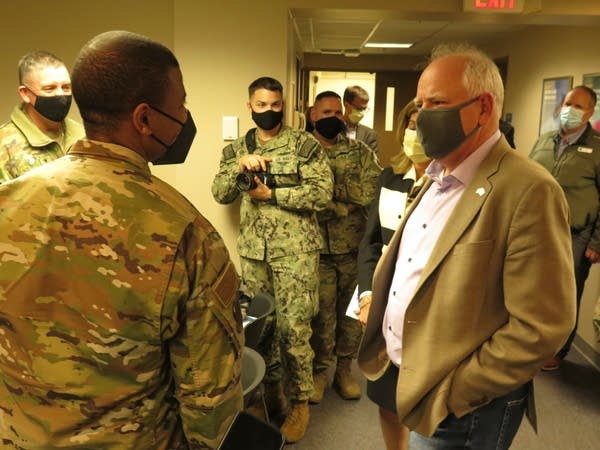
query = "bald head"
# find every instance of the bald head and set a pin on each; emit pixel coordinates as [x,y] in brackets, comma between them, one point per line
[117,70]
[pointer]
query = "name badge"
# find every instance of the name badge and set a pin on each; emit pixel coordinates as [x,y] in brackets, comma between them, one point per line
[584,149]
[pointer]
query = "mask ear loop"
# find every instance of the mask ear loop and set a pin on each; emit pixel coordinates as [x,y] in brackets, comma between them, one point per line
[170,117]
[476,127]
[167,115]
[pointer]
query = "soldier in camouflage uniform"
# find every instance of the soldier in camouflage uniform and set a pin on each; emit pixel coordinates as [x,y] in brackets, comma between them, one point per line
[38,130]
[355,169]
[119,321]
[279,239]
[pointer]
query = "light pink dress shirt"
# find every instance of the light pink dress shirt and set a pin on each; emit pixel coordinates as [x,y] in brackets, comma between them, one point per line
[421,232]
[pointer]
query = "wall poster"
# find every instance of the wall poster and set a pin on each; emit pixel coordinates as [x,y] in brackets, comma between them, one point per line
[592,80]
[554,91]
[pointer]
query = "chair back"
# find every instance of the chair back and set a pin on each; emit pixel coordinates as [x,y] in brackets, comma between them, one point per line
[250,433]
[260,307]
[253,371]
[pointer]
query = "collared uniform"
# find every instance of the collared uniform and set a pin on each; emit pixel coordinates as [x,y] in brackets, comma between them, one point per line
[356,169]
[119,321]
[577,170]
[279,244]
[24,146]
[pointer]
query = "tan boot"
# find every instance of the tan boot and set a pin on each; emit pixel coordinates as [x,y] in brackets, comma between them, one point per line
[319,386]
[343,382]
[275,399]
[296,422]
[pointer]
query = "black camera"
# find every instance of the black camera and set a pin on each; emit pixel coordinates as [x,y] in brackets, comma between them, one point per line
[245,180]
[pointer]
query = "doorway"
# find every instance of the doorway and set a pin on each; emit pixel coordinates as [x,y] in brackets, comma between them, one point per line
[337,82]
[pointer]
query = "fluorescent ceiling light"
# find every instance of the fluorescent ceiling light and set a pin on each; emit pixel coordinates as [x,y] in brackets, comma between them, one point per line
[389,44]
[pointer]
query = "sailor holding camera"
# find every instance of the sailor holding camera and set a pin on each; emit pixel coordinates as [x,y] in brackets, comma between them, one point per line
[283,177]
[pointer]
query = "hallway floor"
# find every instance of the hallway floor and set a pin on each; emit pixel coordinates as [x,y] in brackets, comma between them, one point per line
[568,408]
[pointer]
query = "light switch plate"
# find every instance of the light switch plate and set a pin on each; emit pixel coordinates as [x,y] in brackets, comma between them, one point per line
[230,128]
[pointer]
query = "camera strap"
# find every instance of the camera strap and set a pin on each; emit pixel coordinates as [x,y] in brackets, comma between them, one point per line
[250,140]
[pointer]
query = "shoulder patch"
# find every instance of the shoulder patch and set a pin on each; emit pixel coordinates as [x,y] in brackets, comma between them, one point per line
[228,152]
[227,285]
[307,148]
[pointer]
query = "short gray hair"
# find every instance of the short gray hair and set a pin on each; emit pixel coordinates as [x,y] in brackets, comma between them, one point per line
[481,72]
[33,60]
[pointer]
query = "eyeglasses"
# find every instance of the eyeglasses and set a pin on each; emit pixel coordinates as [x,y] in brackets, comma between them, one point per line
[365,110]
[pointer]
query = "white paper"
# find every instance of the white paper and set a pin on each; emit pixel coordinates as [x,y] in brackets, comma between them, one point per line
[353,306]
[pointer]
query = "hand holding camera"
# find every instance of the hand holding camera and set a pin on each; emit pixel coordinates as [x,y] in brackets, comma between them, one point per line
[254,163]
[254,177]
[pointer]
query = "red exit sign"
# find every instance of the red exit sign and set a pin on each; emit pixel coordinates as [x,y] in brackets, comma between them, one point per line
[500,6]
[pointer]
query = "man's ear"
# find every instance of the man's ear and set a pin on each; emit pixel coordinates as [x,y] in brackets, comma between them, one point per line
[313,115]
[140,118]
[487,108]
[24,94]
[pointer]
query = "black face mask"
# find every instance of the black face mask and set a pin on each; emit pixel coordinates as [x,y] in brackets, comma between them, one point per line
[440,130]
[53,108]
[267,120]
[329,127]
[178,150]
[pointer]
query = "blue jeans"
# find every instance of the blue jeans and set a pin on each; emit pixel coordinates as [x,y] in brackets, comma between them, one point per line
[491,427]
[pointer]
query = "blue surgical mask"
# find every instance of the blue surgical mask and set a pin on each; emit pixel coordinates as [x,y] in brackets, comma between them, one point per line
[570,117]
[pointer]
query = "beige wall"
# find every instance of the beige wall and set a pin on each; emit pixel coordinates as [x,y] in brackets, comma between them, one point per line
[222,46]
[220,54]
[62,27]
[545,53]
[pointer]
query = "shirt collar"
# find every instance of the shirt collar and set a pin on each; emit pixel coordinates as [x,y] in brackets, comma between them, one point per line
[105,150]
[465,171]
[570,139]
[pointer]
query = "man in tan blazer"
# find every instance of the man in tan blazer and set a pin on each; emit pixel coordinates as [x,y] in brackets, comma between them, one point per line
[476,289]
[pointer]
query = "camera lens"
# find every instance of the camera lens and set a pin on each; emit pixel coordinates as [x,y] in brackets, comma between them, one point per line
[245,181]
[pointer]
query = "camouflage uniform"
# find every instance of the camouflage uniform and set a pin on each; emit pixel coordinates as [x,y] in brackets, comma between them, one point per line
[118,319]
[355,169]
[279,244]
[596,320]
[24,146]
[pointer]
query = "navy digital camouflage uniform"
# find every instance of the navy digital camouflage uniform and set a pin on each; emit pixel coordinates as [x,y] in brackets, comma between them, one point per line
[355,168]
[279,245]
[24,146]
[119,321]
